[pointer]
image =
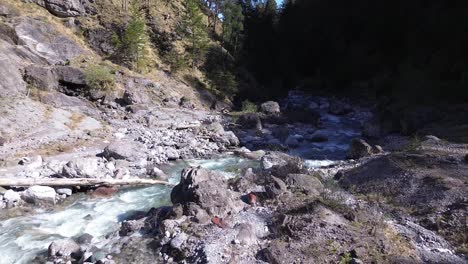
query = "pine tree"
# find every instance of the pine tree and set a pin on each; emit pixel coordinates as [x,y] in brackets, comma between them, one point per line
[196,32]
[233,24]
[132,46]
[271,7]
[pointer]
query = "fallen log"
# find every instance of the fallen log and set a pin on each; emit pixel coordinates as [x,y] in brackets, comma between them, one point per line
[25,182]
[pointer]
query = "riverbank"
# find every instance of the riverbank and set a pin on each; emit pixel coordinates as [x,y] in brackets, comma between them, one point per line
[264,207]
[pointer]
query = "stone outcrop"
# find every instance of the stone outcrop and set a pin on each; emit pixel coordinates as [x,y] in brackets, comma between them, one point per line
[359,148]
[82,168]
[278,159]
[42,77]
[46,42]
[208,190]
[125,150]
[270,108]
[64,248]
[66,8]
[307,184]
[11,83]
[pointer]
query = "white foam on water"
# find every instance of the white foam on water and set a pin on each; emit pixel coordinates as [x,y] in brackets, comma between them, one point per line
[319,163]
[23,238]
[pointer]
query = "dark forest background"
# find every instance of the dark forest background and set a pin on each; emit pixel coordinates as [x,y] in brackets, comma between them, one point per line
[411,50]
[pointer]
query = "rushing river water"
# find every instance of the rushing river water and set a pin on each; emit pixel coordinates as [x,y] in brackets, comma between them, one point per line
[23,238]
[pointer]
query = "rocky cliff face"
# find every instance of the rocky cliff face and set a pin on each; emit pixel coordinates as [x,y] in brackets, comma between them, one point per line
[50,108]
[379,207]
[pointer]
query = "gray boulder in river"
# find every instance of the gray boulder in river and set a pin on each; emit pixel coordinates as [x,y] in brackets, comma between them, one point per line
[39,195]
[207,189]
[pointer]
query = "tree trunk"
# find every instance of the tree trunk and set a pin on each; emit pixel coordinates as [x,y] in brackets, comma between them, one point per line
[125,5]
[25,182]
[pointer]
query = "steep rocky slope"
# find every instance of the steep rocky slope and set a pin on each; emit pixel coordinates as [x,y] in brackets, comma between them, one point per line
[405,206]
[51,114]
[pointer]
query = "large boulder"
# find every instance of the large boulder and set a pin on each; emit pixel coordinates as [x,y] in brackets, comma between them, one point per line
[100,39]
[71,75]
[208,190]
[46,42]
[125,150]
[81,168]
[41,77]
[66,8]
[270,108]
[158,174]
[172,153]
[64,248]
[215,128]
[231,138]
[131,97]
[39,195]
[359,148]
[277,159]
[11,82]
[307,184]
[274,187]
[11,195]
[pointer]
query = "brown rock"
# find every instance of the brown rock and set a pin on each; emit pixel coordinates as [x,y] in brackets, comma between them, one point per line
[219,222]
[104,191]
[252,199]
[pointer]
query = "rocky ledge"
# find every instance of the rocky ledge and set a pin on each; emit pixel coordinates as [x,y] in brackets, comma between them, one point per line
[388,209]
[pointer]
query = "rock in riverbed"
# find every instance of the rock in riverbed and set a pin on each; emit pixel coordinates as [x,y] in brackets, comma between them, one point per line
[81,168]
[126,150]
[39,195]
[275,158]
[359,148]
[208,190]
[64,248]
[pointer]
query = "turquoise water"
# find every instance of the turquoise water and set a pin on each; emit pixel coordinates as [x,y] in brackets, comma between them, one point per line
[23,238]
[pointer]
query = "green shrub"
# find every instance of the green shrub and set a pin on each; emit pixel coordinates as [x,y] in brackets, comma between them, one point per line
[249,107]
[99,77]
[346,258]
[177,61]
[133,46]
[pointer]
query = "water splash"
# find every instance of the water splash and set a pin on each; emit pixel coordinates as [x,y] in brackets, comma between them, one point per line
[23,238]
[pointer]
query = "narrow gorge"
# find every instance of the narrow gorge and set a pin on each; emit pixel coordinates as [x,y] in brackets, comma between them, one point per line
[162,145]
